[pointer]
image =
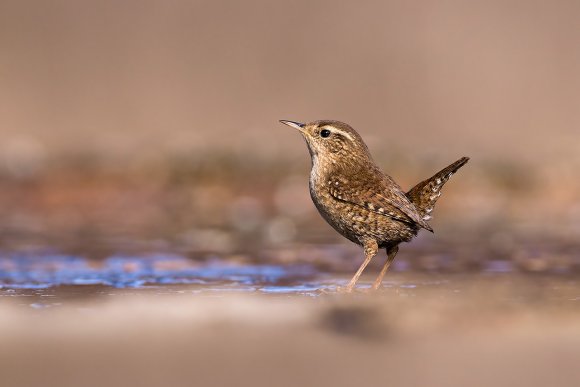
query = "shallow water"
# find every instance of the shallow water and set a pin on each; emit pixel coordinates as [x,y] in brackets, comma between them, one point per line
[41,272]
[48,281]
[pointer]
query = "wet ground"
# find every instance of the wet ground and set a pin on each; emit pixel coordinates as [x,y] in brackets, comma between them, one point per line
[42,281]
[170,320]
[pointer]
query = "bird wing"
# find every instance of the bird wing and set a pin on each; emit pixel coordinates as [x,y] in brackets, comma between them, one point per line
[381,197]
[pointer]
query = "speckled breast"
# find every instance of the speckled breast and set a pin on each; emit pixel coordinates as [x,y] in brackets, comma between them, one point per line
[357,223]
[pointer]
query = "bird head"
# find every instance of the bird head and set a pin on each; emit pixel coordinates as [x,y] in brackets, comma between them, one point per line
[331,140]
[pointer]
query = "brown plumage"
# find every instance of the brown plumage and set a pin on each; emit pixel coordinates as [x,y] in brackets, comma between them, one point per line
[360,201]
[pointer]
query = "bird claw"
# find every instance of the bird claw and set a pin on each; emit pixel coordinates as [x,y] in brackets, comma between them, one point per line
[344,289]
[337,290]
[377,286]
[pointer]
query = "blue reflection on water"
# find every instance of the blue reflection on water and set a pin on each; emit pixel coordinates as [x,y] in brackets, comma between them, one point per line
[38,272]
[291,289]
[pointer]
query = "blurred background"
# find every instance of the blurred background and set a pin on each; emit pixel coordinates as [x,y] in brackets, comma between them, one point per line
[153,125]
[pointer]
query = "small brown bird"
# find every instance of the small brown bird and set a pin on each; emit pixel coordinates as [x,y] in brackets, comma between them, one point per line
[360,201]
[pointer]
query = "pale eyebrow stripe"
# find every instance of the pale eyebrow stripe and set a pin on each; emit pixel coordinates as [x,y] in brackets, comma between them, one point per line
[345,134]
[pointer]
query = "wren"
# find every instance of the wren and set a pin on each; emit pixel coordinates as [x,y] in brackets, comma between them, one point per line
[361,202]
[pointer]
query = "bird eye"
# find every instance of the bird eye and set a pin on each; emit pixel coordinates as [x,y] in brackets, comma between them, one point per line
[324,133]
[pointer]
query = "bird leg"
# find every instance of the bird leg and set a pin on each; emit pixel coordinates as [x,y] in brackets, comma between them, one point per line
[370,247]
[391,252]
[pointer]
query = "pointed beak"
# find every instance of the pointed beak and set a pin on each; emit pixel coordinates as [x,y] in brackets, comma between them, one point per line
[293,124]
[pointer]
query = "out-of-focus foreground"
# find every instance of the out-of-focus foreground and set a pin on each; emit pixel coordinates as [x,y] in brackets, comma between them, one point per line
[421,330]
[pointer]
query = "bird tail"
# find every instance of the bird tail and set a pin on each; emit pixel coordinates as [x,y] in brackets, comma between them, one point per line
[425,194]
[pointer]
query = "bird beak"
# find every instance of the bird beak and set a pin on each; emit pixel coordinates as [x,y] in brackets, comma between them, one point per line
[293,124]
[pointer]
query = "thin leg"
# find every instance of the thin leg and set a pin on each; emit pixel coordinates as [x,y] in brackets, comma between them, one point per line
[390,257]
[370,247]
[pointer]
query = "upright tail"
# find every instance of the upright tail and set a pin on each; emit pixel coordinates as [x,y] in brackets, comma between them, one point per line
[425,194]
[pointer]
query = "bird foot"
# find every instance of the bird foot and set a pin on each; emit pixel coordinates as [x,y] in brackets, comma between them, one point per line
[344,289]
[377,285]
[337,290]
[351,289]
